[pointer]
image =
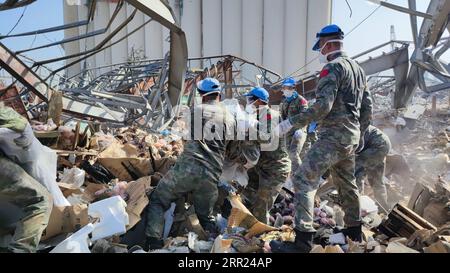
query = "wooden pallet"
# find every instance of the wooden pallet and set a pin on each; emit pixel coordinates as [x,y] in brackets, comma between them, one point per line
[403,222]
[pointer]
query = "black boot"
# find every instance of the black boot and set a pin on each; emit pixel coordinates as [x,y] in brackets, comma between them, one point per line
[153,243]
[354,233]
[302,244]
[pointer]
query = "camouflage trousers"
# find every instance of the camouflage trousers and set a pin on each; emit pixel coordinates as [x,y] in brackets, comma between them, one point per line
[263,188]
[295,147]
[371,162]
[322,156]
[311,138]
[21,190]
[183,178]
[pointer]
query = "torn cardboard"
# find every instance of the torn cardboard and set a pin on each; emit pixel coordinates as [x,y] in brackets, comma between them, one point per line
[137,192]
[66,220]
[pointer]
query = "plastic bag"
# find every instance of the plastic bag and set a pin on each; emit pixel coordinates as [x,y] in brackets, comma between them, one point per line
[367,205]
[73,177]
[37,160]
[168,220]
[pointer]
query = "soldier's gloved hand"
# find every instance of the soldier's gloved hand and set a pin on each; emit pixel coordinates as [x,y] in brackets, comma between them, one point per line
[284,127]
[298,134]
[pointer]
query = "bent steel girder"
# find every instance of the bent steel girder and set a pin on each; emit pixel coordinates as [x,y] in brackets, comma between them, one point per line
[40,88]
[67,26]
[12,4]
[161,12]
[398,60]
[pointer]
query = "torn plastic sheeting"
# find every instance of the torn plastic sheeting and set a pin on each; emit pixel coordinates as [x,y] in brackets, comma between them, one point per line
[367,205]
[337,239]
[76,243]
[112,215]
[39,161]
[168,220]
[197,245]
[74,177]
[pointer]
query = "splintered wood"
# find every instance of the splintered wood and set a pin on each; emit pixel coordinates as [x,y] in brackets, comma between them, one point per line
[403,222]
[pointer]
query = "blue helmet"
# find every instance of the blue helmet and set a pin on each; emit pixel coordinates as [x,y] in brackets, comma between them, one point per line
[208,86]
[330,30]
[289,82]
[259,93]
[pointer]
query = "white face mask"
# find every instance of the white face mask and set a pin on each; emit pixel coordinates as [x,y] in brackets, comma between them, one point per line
[288,93]
[323,58]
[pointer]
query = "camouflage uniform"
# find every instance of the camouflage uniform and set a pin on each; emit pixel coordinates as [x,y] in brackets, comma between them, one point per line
[20,189]
[343,109]
[243,152]
[290,108]
[371,161]
[311,138]
[197,171]
[272,170]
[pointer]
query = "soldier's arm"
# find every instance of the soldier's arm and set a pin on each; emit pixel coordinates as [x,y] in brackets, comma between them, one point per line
[326,94]
[366,111]
[251,153]
[301,106]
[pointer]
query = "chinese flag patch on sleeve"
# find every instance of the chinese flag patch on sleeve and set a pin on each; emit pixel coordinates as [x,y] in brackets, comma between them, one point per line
[303,102]
[324,73]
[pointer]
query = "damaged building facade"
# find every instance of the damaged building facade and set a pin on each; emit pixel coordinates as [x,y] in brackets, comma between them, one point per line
[105,122]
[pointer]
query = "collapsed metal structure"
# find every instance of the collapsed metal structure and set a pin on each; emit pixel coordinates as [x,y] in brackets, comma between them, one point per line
[429,46]
[94,105]
[142,92]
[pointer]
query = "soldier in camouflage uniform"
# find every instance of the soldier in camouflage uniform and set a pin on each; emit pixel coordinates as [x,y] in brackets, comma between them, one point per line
[293,104]
[371,161]
[198,168]
[273,167]
[23,191]
[343,109]
[20,189]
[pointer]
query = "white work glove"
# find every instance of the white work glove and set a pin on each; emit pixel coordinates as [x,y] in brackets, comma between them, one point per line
[284,127]
[298,134]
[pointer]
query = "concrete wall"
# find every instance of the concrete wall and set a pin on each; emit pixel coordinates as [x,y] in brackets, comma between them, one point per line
[275,33]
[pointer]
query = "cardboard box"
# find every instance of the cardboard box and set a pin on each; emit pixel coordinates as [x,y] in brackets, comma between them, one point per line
[66,220]
[137,199]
